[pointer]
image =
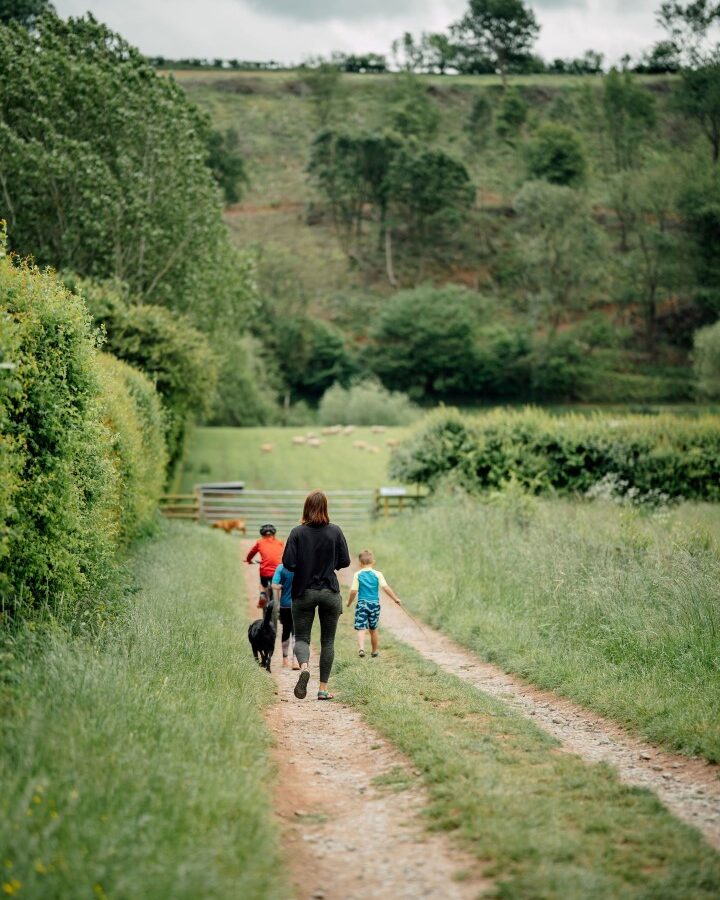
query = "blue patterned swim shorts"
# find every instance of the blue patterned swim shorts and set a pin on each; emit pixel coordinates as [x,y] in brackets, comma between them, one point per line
[367,615]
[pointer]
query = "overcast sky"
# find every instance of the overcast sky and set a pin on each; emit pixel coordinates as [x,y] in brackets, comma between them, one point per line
[292,30]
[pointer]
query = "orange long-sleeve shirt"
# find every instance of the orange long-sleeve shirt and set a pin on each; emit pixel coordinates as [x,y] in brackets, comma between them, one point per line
[270,550]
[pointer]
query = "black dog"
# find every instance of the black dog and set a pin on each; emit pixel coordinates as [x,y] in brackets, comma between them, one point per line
[261,635]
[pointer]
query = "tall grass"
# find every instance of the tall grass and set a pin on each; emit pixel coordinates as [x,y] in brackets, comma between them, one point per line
[612,607]
[135,766]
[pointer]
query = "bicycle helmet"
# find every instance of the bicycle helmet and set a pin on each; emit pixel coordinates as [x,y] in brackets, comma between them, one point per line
[267,529]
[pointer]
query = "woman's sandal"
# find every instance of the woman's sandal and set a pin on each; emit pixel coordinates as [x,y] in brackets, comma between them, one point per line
[301,686]
[325,695]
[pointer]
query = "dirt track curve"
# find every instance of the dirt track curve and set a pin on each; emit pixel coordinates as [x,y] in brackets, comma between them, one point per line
[689,788]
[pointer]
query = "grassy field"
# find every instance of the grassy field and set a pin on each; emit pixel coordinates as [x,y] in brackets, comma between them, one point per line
[282,78]
[542,823]
[128,764]
[615,609]
[234,454]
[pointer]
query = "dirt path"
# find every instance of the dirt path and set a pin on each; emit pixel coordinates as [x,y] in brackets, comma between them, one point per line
[690,788]
[344,836]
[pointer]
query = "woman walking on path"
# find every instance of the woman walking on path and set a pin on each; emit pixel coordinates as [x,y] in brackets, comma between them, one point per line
[314,551]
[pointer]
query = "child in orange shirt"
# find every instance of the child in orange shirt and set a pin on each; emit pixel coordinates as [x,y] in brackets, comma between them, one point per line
[271,551]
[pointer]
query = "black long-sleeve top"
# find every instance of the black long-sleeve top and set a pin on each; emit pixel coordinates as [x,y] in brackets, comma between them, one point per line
[314,553]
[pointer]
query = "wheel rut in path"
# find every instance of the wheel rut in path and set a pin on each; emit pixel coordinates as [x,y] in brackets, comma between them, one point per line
[343,836]
[689,788]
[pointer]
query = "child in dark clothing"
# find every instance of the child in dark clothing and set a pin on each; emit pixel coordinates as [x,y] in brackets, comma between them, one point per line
[282,586]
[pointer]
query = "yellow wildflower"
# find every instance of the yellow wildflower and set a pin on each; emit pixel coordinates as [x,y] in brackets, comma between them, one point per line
[11,887]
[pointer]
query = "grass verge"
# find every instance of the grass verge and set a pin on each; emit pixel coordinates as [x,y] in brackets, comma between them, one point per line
[128,765]
[613,608]
[542,823]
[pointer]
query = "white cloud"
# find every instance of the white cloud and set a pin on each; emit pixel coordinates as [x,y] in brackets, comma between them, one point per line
[291,30]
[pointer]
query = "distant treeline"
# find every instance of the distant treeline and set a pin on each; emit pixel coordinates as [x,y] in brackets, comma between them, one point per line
[656,62]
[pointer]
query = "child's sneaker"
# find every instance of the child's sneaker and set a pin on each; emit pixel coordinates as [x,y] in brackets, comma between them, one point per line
[361,653]
[375,653]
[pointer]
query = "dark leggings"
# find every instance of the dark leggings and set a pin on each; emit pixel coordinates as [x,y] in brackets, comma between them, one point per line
[286,620]
[329,607]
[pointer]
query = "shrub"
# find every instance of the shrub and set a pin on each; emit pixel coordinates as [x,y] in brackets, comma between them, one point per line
[81,443]
[706,361]
[511,115]
[59,534]
[311,355]
[424,342]
[502,361]
[560,366]
[365,403]
[673,455]
[556,154]
[479,121]
[246,391]
[131,410]
[165,345]
[444,444]
[9,457]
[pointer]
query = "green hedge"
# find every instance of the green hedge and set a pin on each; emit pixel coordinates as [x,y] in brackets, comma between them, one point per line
[76,446]
[163,344]
[131,409]
[669,454]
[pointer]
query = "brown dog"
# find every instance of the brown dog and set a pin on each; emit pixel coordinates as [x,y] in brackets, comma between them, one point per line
[230,525]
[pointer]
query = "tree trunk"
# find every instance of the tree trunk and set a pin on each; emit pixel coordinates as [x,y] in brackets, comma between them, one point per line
[389,258]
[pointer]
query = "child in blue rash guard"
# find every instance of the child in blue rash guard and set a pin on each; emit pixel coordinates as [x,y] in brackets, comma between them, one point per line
[366,587]
[282,587]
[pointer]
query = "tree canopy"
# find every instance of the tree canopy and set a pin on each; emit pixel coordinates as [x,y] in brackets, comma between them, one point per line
[24,12]
[502,31]
[103,169]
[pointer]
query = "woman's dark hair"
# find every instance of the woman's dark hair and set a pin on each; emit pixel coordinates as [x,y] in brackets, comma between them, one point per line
[315,511]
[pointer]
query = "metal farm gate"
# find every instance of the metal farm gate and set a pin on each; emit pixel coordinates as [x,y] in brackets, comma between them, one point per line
[232,500]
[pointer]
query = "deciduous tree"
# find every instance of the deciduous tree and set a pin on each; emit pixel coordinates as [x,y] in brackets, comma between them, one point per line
[322,79]
[103,170]
[689,25]
[502,30]
[698,97]
[24,12]
[226,163]
[629,117]
[561,251]
[556,154]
